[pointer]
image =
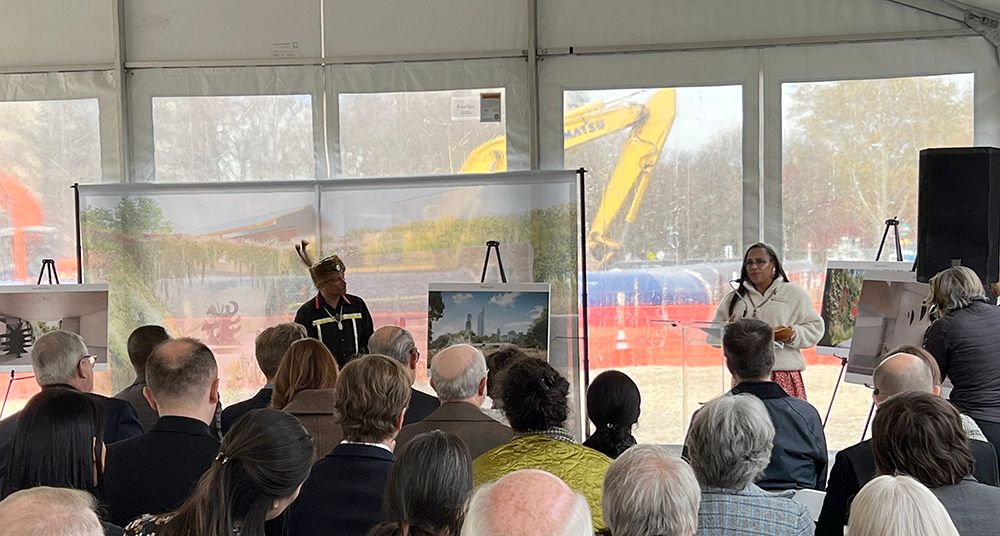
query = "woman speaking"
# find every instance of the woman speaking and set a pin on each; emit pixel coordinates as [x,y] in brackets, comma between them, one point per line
[764,293]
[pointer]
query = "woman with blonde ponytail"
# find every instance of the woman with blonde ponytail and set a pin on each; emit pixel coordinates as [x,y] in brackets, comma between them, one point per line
[262,462]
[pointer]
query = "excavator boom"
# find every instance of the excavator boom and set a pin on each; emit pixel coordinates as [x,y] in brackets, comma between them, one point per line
[650,122]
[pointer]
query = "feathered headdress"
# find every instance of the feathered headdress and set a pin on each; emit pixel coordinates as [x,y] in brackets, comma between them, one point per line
[324,270]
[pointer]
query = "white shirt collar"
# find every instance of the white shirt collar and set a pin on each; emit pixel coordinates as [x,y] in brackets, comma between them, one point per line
[379,445]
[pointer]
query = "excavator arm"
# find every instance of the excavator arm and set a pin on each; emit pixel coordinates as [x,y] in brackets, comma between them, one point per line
[631,175]
[650,122]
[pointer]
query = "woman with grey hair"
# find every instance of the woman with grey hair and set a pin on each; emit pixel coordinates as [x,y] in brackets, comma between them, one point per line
[965,341]
[901,506]
[729,446]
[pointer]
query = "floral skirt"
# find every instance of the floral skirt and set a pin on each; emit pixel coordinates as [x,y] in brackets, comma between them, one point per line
[790,381]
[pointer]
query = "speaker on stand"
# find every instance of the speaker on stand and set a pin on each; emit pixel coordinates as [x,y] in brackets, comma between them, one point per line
[958,215]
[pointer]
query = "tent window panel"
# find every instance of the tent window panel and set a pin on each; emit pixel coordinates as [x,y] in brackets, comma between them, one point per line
[233,138]
[422,133]
[664,212]
[850,160]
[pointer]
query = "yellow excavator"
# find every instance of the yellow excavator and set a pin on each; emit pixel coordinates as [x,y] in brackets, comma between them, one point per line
[650,123]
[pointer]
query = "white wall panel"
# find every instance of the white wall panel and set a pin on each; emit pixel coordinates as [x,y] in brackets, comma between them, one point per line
[564,23]
[158,30]
[387,27]
[56,32]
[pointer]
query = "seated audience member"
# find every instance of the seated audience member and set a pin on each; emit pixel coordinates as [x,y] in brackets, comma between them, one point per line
[44,510]
[799,457]
[854,466]
[458,375]
[345,491]
[650,492]
[60,359]
[497,364]
[156,472]
[528,502]
[968,423]
[58,443]
[303,386]
[535,399]
[141,343]
[398,344]
[269,347]
[900,506]
[920,435]
[428,487]
[729,445]
[613,402]
[257,473]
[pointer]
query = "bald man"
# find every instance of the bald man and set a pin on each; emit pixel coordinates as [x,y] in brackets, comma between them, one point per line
[528,502]
[458,375]
[155,472]
[45,510]
[855,466]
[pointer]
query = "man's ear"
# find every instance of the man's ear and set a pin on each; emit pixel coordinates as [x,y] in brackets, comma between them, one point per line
[936,390]
[399,420]
[213,392]
[481,391]
[148,395]
[414,359]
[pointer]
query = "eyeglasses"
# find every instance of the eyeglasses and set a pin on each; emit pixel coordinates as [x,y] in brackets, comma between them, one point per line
[757,262]
[92,359]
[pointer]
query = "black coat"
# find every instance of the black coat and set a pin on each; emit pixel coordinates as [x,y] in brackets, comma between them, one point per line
[156,472]
[421,405]
[855,466]
[343,494]
[344,339]
[799,457]
[232,413]
[966,345]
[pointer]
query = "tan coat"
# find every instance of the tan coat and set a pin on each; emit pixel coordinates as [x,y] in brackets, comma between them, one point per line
[314,408]
[480,432]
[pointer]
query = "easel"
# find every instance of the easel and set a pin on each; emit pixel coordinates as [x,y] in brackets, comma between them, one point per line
[892,223]
[490,246]
[48,269]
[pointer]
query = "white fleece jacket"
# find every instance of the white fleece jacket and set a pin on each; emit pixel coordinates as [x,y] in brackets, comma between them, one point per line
[782,304]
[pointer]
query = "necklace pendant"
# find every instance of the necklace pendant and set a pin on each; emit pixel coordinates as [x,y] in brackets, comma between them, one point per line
[340,325]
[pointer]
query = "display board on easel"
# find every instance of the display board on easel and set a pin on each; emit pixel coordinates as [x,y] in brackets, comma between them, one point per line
[892,312]
[841,296]
[29,311]
[489,316]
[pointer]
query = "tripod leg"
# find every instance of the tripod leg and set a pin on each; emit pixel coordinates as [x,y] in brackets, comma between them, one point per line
[899,248]
[885,234]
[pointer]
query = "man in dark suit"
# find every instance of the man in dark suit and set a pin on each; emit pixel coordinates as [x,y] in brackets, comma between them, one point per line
[141,343]
[458,375]
[61,359]
[156,472]
[398,344]
[855,466]
[799,457]
[344,492]
[269,347]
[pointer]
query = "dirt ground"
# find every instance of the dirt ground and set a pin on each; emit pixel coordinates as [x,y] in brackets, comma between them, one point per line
[670,395]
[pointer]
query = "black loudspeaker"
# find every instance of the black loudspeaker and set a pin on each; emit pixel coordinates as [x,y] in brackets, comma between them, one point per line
[958,217]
